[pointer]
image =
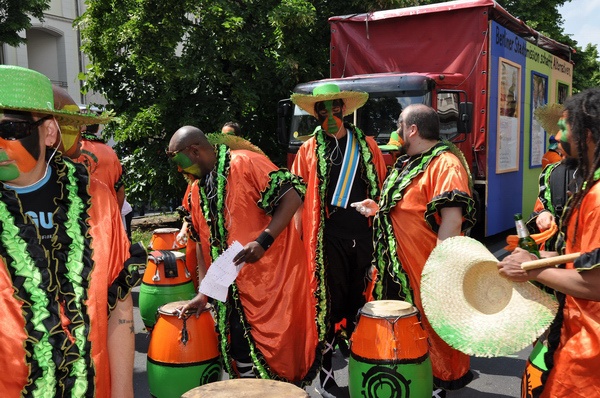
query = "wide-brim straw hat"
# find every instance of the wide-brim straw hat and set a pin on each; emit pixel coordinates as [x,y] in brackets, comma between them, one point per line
[548,116]
[23,89]
[475,310]
[329,92]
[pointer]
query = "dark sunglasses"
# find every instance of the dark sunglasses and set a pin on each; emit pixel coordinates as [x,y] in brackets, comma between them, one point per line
[17,130]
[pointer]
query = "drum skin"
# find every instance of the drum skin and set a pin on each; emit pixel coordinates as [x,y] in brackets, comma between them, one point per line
[155,292]
[389,353]
[183,353]
[247,388]
[165,239]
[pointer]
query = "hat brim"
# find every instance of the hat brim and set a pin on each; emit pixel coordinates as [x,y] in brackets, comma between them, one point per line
[475,310]
[352,100]
[66,117]
[548,116]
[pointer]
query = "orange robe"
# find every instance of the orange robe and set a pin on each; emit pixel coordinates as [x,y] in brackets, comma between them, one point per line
[102,162]
[36,331]
[412,197]
[277,305]
[575,372]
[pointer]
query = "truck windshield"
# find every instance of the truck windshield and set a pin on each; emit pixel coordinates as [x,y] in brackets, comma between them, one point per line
[377,118]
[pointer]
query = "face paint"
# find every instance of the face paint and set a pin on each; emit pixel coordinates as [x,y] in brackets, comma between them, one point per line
[25,153]
[185,164]
[564,136]
[331,117]
[7,172]
[71,135]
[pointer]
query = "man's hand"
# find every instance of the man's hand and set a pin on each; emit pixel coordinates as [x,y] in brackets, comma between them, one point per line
[195,305]
[544,220]
[251,253]
[510,267]
[367,207]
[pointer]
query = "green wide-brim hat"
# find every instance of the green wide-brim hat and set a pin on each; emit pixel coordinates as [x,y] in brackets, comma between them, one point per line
[328,92]
[474,309]
[23,89]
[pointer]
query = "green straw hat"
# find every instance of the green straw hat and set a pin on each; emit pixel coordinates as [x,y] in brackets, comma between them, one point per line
[23,89]
[475,310]
[328,92]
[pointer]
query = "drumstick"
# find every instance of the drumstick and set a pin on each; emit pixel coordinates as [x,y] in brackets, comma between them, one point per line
[550,261]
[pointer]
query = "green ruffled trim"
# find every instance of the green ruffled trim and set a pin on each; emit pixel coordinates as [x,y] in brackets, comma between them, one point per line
[386,259]
[271,194]
[453,197]
[323,170]
[213,210]
[57,367]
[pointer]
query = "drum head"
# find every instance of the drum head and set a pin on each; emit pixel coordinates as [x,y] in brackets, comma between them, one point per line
[247,388]
[165,231]
[171,308]
[388,308]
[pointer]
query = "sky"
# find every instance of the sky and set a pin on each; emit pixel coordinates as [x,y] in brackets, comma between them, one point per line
[581,21]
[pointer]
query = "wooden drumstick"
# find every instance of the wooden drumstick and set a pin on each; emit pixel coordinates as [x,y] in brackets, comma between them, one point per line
[550,261]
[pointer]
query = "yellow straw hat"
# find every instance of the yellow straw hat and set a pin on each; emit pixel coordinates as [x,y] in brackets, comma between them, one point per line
[475,310]
[328,92]
[548,116]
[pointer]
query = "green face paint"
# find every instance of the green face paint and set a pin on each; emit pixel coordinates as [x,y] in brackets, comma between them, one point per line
[564,131]
[8,172]
[330,117]
[182,160]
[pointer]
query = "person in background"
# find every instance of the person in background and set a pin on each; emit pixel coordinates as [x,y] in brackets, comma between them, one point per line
[232,128]
[553,154]
[573,357]
[339,165]
[425,199]
[267,325]
[66,272]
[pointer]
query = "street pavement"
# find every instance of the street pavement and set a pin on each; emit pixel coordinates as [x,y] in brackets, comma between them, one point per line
[494,377]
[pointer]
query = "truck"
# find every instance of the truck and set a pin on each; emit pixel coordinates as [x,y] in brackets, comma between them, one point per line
[483,70]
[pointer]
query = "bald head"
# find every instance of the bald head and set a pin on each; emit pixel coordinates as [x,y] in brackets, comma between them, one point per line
[186,136]
[190,150]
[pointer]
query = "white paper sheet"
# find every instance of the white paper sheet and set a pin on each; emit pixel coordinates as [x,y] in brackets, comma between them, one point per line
[221,273]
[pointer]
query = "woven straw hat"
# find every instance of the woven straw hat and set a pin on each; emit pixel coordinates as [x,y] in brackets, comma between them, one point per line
[548,116]
[328,92]
[475,310]
[23,89]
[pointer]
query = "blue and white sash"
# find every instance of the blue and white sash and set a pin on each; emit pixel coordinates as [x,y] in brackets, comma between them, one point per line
[341,195]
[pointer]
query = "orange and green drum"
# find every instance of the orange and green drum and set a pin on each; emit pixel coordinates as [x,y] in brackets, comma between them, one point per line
[389,353]
[166,279]
[183,353]
[531,384]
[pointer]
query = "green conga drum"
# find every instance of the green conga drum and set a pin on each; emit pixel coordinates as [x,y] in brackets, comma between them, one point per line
[166,279]
[536,365]
[389,353]
[183,353]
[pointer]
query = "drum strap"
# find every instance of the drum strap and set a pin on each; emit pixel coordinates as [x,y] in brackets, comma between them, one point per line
[170,265]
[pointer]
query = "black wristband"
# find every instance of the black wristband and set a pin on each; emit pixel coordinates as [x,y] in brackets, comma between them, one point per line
[265,240]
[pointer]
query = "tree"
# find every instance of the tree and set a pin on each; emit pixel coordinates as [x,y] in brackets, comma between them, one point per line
[162,64]
[14,18]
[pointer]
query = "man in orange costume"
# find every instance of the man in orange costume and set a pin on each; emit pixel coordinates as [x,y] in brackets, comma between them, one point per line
[65,270]
[267,325]
[337,240]
[425,199]
[573,357]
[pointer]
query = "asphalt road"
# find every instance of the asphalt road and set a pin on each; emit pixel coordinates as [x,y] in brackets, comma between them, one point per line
[494,377]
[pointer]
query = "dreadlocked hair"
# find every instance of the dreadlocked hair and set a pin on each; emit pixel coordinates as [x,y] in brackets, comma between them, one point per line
[583,115]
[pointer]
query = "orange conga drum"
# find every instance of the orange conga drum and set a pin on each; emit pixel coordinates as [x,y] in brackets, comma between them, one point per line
[247,388]
[183,353]
[165,239]
[389,353]
[166,279]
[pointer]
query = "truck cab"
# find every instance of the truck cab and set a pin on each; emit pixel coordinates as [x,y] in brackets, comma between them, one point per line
[389,94]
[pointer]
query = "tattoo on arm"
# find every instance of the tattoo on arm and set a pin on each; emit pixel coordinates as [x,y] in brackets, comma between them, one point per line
[126,321]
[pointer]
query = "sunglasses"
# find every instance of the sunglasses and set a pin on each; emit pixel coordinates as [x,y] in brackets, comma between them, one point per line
[17,130]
